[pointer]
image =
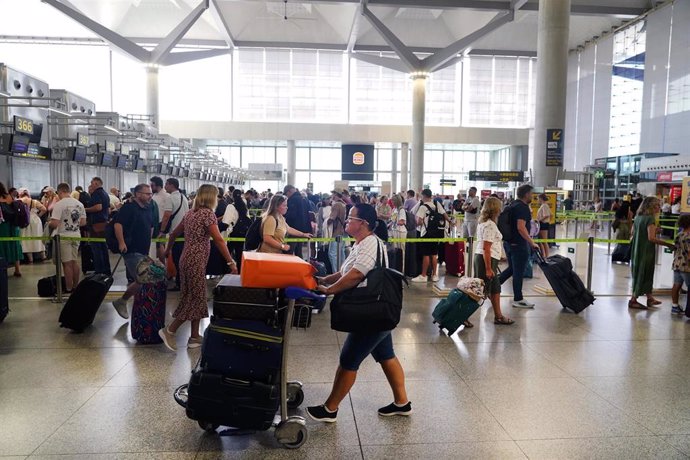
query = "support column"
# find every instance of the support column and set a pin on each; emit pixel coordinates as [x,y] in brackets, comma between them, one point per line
[515,157]
[405,166]
[552,72]
[418,119]
[291,162]
[394,170]
[152,94]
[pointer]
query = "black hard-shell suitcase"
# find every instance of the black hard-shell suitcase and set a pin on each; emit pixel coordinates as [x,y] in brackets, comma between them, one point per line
[84,302]
[86,258]
[242,349]
[47,287]
[621,253]
[412,265]
[395,259]
[566,284]
[232,301]
[221,400]
[4,290]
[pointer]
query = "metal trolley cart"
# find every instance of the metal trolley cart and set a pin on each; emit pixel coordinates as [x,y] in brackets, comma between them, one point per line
[235,402]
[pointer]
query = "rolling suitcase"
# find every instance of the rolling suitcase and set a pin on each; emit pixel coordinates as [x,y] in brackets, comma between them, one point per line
[242,349]
[47,287]
[455,258]
[216,265]
[232,301]
[621,254]
[148,313]
[86,258]
[395,259]
[4,290]
[221,400]
[454,310]
[322,256]
[566,284]
[412,265]
[84,302]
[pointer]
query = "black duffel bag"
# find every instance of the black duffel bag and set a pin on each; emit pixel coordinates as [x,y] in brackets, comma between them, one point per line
[373,308]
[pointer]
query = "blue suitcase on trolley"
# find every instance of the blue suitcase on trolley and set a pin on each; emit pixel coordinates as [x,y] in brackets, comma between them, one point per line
[243,349]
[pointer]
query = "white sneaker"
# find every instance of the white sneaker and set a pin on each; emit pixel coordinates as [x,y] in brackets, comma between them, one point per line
[168,339]
[194,342]
[523,304]
[419,279]
[434,278]
[121,307]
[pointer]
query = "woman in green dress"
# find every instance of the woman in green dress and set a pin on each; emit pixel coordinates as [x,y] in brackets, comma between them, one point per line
[11,251]
[643,251]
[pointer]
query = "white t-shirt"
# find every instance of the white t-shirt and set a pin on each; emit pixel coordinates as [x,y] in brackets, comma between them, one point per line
[675,209]
[175,199]
[69,212]
[363,257]
[162,199]
[488,231]
[544,213]
[476,204]
[423,212]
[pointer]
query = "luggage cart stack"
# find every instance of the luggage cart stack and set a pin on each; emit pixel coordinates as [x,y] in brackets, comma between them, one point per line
[241,378]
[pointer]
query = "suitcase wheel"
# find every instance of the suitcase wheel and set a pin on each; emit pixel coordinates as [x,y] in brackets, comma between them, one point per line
[295,395]
[208,426]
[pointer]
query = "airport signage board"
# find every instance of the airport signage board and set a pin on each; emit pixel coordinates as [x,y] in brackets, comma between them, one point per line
[554,147]
[497,176]
[23,125]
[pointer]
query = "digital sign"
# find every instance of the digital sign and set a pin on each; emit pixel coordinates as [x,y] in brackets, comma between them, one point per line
[554,147]
[110,146]
[497,176]
[82,139]
[23,125]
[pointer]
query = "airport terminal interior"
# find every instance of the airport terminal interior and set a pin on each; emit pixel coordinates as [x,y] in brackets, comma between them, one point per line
[573,113]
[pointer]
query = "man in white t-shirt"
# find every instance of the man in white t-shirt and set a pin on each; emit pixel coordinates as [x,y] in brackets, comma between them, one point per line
[67,217]
[115,201]
[165,210]
[471,209]
[180,207]
[429,229]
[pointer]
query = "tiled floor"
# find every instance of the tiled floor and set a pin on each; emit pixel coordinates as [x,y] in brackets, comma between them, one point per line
[608,383]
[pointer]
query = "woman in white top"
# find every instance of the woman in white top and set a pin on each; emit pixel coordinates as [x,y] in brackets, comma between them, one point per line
[398,221]
[35,228]
[488,254]
[544,218]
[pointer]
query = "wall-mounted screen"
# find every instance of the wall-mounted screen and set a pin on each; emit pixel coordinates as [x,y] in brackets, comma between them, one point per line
[19,144]
[79,155]
[121,162]
[108,160]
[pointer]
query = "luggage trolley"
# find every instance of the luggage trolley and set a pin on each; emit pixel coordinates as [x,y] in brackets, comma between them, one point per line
[290,430]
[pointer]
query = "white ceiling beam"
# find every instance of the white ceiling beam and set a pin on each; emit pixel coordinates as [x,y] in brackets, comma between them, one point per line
[190,56]
[172,39]
[354,29]
[404,53]
[436,60]
[222,24]
[113,38]
[389,63]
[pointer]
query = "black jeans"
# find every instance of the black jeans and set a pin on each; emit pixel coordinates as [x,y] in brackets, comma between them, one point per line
[177,248]
[101,258]
[517,255]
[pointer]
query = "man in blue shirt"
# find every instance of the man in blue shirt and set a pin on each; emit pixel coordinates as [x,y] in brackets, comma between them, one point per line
[97,211]
[520,244]
[133,226]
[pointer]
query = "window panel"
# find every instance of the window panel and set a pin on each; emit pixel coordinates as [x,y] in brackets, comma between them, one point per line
[379,95]
[326,158]
[384,160]
[302,160]
[129,85]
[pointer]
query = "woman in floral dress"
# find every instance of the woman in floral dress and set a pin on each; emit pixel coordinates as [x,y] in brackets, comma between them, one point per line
[197,226]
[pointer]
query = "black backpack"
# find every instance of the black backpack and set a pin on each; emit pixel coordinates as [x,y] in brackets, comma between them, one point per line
[110,238]
[241,227]
[410,222]
[505,223]
[436,225]
[254,236]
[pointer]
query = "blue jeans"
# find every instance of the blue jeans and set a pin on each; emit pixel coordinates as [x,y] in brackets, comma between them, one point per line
[517,255]
[358,346]
[101,258]
[333,255]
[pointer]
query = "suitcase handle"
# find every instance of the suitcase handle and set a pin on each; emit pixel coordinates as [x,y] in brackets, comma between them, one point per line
[540,256]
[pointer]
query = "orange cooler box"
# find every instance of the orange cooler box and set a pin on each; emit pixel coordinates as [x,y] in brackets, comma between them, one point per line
[261,270]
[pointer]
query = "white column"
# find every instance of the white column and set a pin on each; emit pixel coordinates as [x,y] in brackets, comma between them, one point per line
[405,166]
[552,75]
[152,107]
[418,121]
[394,170]
[291,160]
[515,157]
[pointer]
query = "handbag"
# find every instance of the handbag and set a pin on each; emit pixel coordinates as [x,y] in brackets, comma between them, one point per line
[375,307]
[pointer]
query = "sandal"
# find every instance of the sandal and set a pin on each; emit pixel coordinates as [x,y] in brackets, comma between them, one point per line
[503,320]
[468,325]
[637,305]
[653,302]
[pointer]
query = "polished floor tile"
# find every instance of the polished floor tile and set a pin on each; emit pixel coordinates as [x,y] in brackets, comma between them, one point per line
[121,456]
[498,450]
[648,447]
[680,442]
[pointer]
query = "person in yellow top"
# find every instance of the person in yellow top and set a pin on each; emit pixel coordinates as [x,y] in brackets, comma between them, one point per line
[274,228]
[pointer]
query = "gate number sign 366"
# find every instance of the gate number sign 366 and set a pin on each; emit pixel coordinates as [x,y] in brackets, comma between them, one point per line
[23,125]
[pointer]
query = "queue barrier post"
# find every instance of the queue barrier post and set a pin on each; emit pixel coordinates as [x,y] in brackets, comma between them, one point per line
[590,260]
[470,255]
[339,246]
[577,225]
[58,267]
[608,253]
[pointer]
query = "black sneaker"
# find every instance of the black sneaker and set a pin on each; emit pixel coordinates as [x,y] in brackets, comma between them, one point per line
[394,409]
[321,414]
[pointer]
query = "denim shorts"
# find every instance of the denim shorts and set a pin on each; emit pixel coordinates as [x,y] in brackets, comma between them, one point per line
[132,259]
[680,277]
[360,345]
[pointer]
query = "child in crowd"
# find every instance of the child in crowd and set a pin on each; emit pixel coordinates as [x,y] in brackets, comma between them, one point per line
[681,262]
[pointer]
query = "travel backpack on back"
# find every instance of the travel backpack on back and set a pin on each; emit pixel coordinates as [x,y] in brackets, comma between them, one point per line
[241,227]
[410,222]
[254,236]
[22,215]
[505,223]
[436,225]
